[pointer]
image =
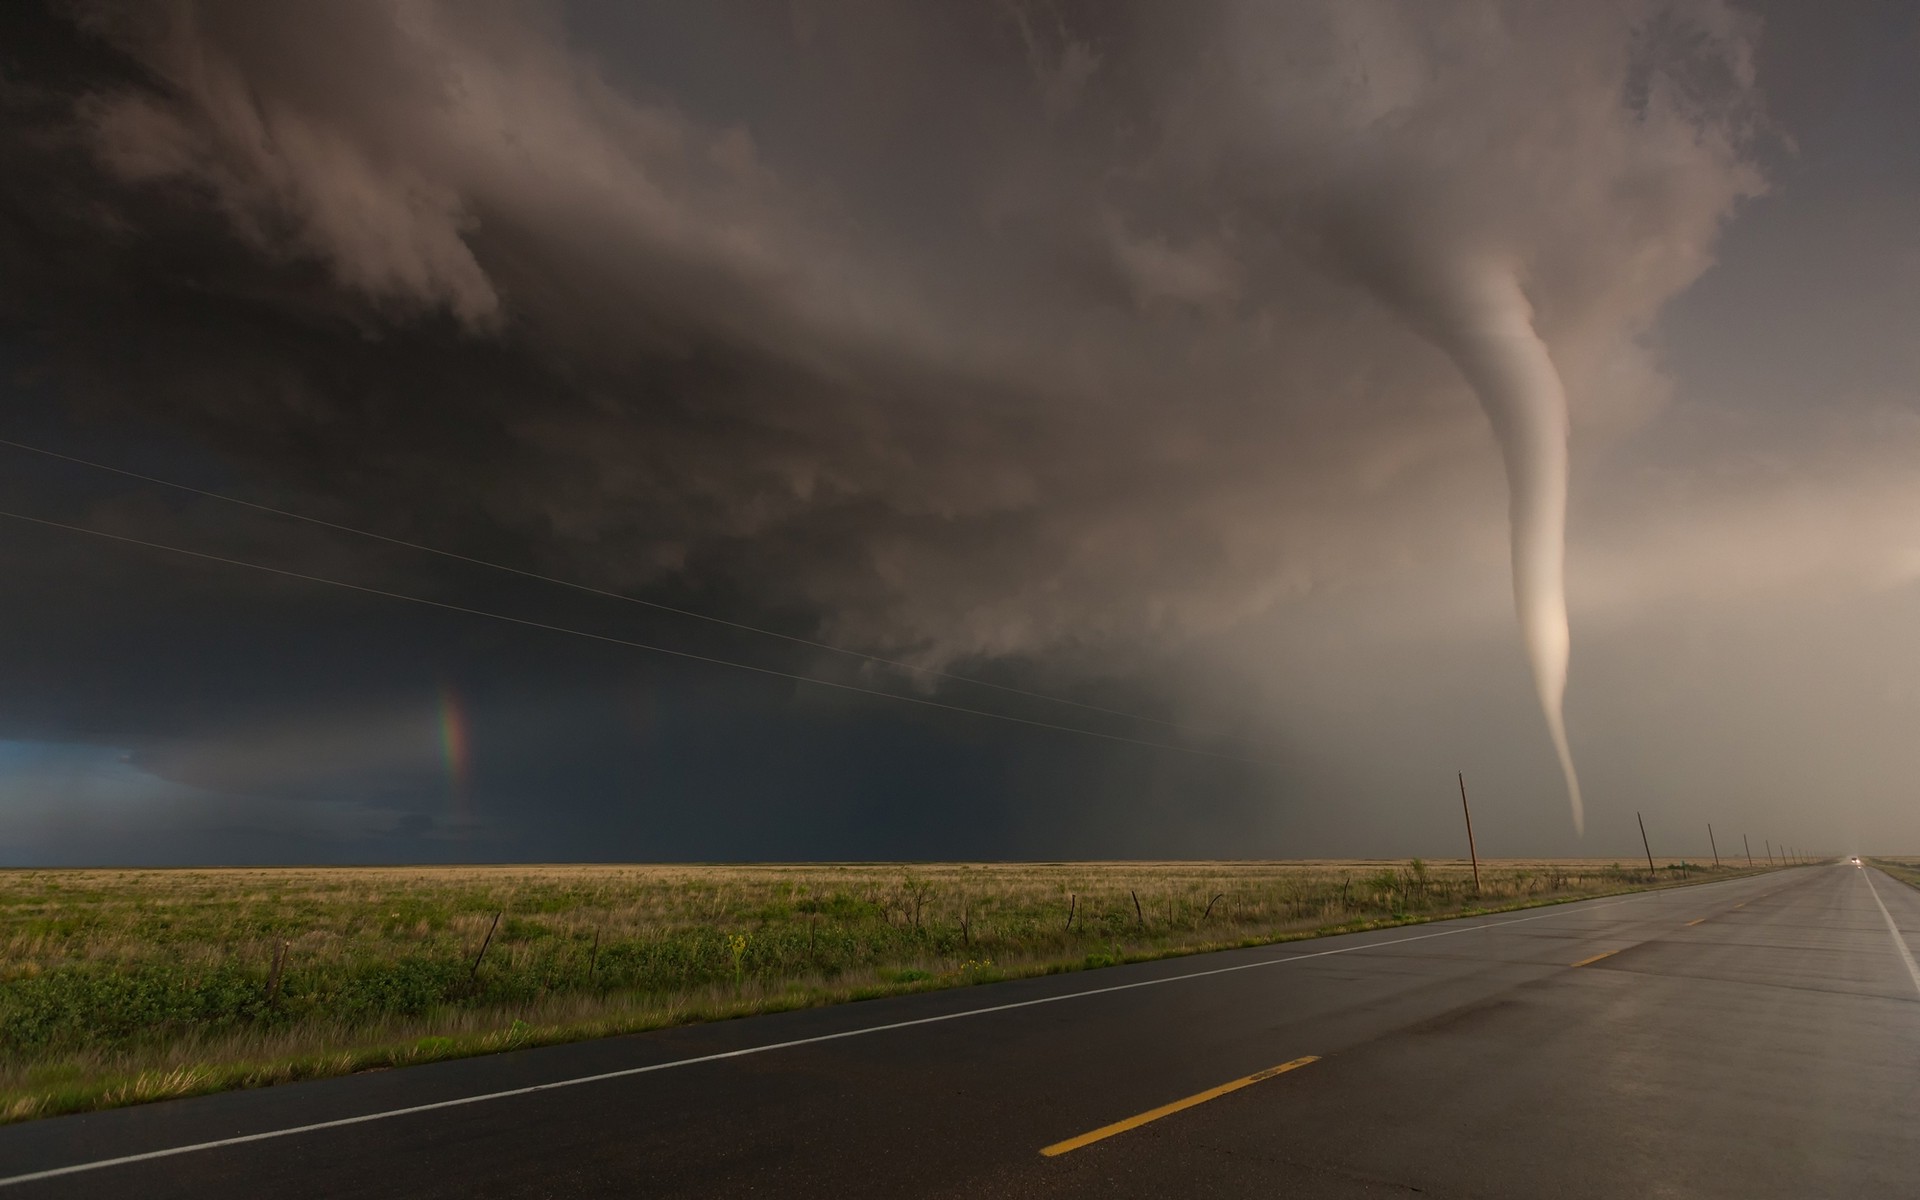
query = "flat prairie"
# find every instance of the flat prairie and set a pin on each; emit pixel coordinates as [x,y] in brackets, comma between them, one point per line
[1906,869]
[121,986]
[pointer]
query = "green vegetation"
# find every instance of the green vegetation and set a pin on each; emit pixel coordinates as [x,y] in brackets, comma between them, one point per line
[1906,870]
[123,986]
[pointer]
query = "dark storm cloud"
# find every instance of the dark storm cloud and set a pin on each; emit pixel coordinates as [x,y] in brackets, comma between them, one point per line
[1046,332]
[1111,387]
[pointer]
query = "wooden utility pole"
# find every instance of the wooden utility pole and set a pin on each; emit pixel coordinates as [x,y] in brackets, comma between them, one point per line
[1651,873]
[1769,842]
[487,941]
[1715,845]
[1749,846]
[1472,853]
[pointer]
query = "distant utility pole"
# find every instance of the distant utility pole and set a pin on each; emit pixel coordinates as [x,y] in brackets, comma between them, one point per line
[1769,842]
[1749,846]
[1715,845]
[1651,873]
[1472,853]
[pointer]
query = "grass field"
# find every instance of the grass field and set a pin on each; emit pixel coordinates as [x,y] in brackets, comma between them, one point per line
[118,987]
[1906,870]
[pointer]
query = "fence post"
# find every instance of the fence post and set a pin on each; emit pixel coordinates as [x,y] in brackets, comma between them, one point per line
[1472,853]
[475,971]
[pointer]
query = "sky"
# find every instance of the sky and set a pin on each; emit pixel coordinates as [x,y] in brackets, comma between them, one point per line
[1014,430]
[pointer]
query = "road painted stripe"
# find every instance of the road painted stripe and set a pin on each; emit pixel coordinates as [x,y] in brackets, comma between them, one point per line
[601,1077]
[1167,1110]
[1696,921]
[1906,955]
[1587,962]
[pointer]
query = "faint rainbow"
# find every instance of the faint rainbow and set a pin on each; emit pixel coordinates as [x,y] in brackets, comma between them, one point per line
[456,747]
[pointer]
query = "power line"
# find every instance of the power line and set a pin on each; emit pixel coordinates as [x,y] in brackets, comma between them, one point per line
[895,664]
[600,637]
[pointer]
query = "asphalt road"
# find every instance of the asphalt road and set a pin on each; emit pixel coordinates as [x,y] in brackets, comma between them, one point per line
[1755,1038]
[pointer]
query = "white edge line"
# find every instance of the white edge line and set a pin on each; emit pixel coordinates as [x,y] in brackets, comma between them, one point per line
[1906,955]
[384,1114]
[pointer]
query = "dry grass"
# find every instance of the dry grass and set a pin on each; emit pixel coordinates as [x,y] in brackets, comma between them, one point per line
[1906,870]
[118,987]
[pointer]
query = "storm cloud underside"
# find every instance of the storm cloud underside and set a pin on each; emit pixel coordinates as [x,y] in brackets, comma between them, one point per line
[1087,340]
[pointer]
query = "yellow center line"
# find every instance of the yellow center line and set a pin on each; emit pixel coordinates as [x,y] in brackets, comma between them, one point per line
[1695,921]
[1596,958]
[1107,1131]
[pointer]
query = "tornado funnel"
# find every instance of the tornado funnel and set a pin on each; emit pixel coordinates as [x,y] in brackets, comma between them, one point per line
[1488,332]
[1474,309]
